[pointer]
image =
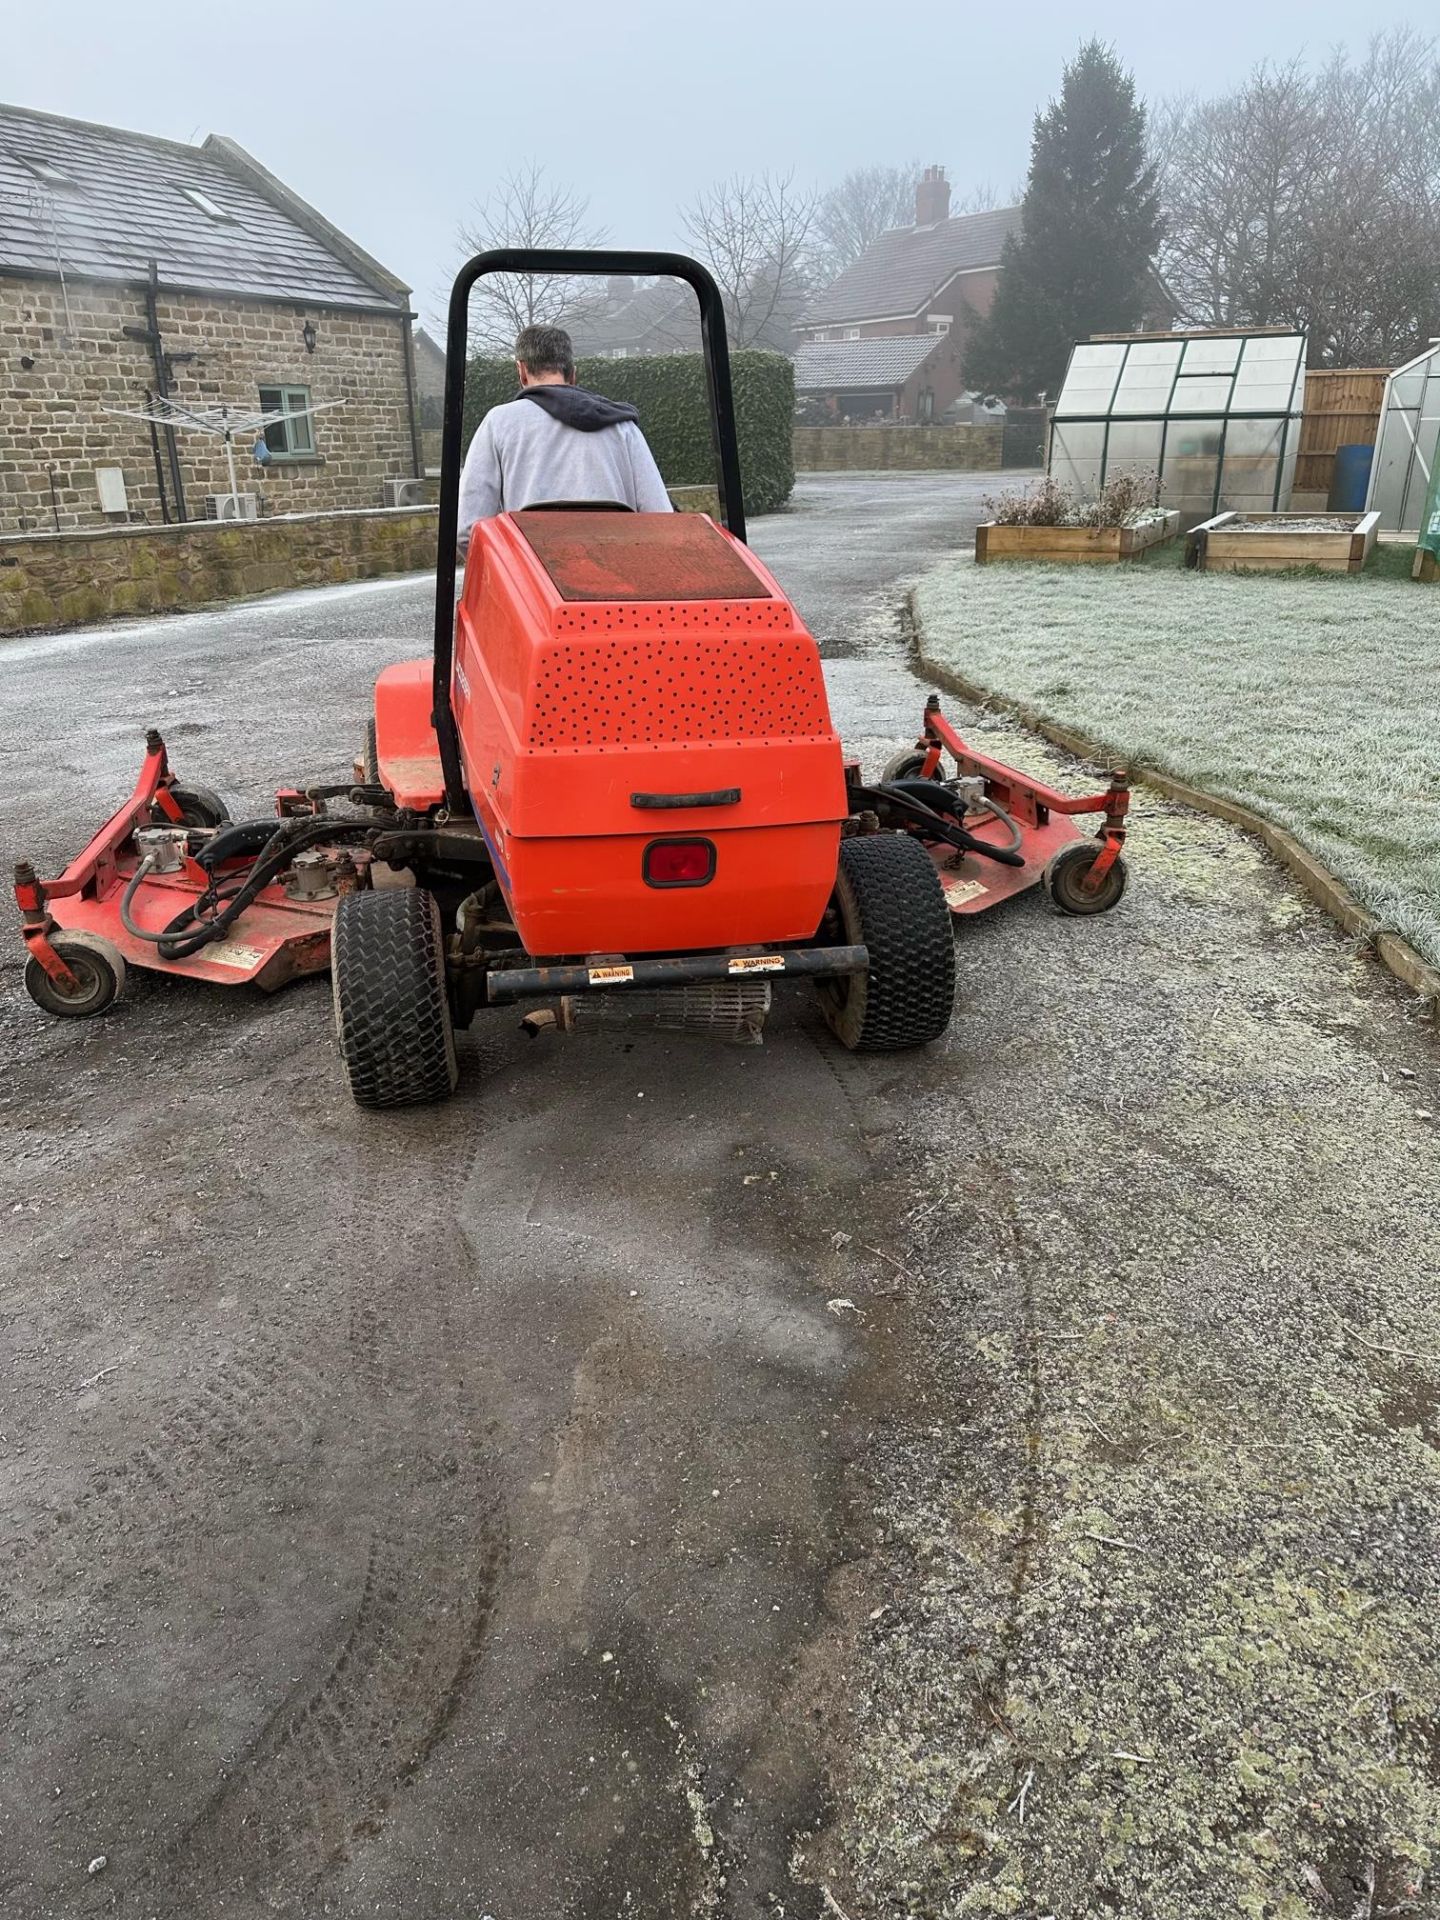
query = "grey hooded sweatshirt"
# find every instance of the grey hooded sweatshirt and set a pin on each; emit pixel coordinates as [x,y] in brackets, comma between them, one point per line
[558,443]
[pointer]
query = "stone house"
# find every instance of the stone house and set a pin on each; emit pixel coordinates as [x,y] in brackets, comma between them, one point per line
[132,267]
[916,288]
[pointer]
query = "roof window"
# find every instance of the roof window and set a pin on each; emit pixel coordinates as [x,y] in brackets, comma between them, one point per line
[52,176]
[207,205]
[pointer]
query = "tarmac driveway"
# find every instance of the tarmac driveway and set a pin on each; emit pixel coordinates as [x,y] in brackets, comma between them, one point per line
[667,1479]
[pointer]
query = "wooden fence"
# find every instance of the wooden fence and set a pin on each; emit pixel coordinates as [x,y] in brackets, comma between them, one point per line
[1342,409]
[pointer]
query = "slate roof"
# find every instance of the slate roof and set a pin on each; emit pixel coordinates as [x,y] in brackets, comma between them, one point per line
[899,273]
[838,366]
[118,205]
[429,364]
[662,317]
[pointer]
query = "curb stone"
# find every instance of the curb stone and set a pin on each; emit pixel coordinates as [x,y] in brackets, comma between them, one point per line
[1392,950]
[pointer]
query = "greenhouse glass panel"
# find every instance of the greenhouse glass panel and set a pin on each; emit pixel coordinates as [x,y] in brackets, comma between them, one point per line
[1212,356]
[1208,395]
[1147,378]
[1408,445]
[1134,447]
[1077,449]
[1252,456]
[1090,378]
[1217,416]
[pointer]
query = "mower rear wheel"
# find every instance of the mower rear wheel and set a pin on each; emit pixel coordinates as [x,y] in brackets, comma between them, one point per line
[1063,880]
[98,967]
[392,1014]
[888,897]
[199,807]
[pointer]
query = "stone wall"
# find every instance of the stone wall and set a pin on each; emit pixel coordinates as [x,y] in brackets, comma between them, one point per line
[840,449]
[65,358]
[64,580]
[67,579]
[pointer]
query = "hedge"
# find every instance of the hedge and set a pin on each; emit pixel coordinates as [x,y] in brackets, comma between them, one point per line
[669,392]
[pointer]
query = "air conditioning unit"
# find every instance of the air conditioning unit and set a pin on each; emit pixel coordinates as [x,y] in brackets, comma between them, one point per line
[403,493]
[232,506]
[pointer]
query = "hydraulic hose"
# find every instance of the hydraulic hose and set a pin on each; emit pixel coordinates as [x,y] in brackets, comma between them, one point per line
[216,910]
[1016,831]
[129,925]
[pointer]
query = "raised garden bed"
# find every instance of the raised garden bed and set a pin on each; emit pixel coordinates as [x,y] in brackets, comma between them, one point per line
[1092,545]
[1273,542]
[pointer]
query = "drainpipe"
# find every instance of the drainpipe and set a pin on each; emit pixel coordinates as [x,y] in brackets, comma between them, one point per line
[162,387]
[159,463]
[417,458]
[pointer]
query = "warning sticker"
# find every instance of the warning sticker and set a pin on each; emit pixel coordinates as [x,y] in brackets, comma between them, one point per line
[230,953]
[958,891]
[610,976]
[757,963]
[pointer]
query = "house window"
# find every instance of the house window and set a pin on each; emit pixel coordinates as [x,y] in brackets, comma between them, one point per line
[852,333]
[52,176]
[207,205]
[289,438]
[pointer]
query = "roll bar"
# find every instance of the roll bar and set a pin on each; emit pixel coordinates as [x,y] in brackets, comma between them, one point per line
[559,260]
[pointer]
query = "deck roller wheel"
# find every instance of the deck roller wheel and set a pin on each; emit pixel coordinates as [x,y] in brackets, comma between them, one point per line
[909,765]
[392,1014]
[99,970]
[199,807]
[888,897]
[1063,880]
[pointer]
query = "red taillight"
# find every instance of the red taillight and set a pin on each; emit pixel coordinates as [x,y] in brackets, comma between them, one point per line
[679,863]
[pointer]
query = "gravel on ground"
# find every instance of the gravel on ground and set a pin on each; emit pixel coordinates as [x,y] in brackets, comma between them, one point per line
[679,1481]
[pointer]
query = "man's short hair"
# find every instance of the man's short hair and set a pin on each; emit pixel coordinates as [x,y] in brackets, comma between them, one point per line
[546,350]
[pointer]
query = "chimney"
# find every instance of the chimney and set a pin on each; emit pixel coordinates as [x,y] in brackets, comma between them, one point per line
[932,197]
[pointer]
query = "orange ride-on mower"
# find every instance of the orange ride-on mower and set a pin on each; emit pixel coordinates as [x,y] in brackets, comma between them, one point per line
[616,782]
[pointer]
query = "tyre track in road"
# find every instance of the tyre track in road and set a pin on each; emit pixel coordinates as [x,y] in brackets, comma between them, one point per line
[318,1778]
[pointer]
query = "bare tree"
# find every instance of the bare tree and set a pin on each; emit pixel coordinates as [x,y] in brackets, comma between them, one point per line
[1312,200]
[852,216]
[753,233]
[526,209]
[984,197]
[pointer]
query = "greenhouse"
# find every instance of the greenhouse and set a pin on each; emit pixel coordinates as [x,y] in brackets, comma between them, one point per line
[1215,415]
[1406,448]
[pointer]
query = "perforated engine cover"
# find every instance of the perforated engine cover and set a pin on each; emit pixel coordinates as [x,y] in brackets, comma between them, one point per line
[596,716]
[656,690]
[639,556]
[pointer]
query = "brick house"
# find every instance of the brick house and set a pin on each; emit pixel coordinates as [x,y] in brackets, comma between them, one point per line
[132,267]
[636,318]
[915,288]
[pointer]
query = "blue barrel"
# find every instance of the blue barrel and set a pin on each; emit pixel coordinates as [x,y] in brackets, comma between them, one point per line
[1351,479]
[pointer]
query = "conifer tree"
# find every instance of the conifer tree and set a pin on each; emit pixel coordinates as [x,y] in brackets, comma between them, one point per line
[1082,261]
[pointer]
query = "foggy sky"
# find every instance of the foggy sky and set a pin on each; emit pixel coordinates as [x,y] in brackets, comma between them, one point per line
[392,120]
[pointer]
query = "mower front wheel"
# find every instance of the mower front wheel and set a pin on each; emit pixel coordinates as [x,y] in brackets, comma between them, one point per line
[888,897]
[99,970]
[1064,880]
[392,1014]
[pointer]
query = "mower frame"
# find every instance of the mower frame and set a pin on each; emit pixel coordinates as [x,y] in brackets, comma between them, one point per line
[714,352]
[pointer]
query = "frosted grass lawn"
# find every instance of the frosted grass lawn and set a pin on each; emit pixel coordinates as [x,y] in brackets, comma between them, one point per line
[1315,701]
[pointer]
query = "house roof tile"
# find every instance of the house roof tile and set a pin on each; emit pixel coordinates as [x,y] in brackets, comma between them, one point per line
[900,272]
[101,203]
[847,365]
